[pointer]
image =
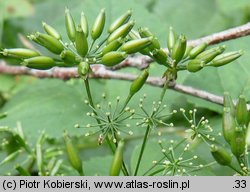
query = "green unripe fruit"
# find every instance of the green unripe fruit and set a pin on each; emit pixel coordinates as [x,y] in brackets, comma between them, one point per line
[22,142]
[70,25]
[113,46]
[238,142]
[225,58]
[171,39]
[121,31]
[39,62]
[120,21]
[138,82]
[10,157]
[221,155]
[134,35]
[160,56]
[188,50]
[20,53]
[228,102]
[209,55]
[81,42]
[228,124]
[114,57]
[134,46]
[21,170]
[39,158]
[117,160]
[68,57]
[248,135]
[84,24]
[98,25]
[209,51]
[144,32]
[197,50]
[195,65]
[241,111]
[73,154]
[49,42]
[51,31]
[146,51]
[83,69]
[179,49]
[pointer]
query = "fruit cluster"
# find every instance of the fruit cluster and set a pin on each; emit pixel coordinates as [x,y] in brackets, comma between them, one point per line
[88,47]
[235,127]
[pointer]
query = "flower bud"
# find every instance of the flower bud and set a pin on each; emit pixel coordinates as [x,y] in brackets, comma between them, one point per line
[20,53]
[221,155]
[179,49]
[134,46]
[241,111]
[49,42]
[73,154]
[84,24]
[121,31]
[195,65]
[117,160]
[197,50]
[81,42]
[114,57]
[98,25]
[51,31]
[138,82]
[225,58]
[120,21]
[70,25]
[39,62]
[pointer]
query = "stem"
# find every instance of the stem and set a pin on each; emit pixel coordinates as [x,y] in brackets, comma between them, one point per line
[99,45]
[126,102]
[91,46]
[142,150]
[164,90]
[86,82]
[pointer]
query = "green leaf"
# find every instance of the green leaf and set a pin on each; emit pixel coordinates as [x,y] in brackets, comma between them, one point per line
[49,105]
[98,166]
